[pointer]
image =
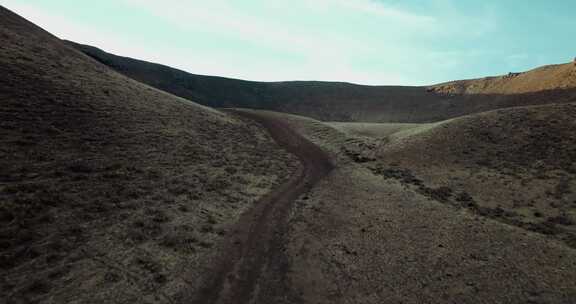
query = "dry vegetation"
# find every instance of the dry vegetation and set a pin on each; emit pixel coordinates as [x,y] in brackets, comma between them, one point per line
[375,130]
[475,209]
[334,101]
[515,165]
[112,191]
[545,78]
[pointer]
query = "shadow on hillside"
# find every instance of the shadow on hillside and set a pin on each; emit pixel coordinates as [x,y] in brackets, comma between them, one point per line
[326,101]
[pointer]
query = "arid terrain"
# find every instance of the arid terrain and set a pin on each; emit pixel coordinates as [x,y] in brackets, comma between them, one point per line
[123,181]
[333,101]
[412,218]
[112,191]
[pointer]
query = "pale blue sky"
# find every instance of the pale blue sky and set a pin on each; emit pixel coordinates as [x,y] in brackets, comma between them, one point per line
[391,42]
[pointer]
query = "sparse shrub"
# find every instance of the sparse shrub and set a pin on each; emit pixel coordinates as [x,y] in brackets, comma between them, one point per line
[154,174]
[144,230]
[211,220]
[39,286]
[157,216]
[464,197]
[546,227]
[441,194]
[205,244]
[171,241]
[218,184]
[178,189]
[112,277]
[231,170]
[561,220]
[404,175]
[562,188]
[148,265]
[81,167]
[570,240]
[207,229]
[183,209]
[132,193]
[160,279]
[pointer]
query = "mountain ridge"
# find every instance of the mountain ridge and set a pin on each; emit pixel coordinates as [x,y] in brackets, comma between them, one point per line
[341,101]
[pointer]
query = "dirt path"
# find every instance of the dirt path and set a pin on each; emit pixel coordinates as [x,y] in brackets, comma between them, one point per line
[256,244]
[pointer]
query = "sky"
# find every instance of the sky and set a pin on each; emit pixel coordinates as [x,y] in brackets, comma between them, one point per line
[375,42]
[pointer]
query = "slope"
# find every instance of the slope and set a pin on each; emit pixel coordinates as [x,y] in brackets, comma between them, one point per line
[516,165]
[545,78]
[112,191]
[322,100]
[417,218]
[333,101]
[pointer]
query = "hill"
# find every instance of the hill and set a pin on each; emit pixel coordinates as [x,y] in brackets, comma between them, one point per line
[514,165]
[322,100]
[545,78]
[111,190]
[334,101]
[476,209]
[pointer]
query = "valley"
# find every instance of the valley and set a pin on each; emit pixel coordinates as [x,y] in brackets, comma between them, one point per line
[124,181]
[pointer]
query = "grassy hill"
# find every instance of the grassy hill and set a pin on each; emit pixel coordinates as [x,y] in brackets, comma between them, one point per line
[334,101]
[321,100]
[480,208]
[115,191]
[545,78]
[514,165]
[111,190]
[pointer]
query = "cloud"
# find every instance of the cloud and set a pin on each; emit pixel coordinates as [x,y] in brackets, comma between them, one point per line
[403,18]
[363,41]
[222,18]
[327,34]
[66,28]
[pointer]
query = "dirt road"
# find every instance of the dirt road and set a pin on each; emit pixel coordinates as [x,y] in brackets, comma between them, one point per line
[256,243]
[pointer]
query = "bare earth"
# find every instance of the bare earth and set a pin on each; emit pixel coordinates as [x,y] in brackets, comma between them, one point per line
[258,240]
[358,237]
[112,191]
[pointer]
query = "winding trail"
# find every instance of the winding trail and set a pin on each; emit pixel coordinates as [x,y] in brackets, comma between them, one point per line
[257,243]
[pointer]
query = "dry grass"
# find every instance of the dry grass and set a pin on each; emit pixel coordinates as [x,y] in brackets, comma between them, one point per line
[398,221]
[545,78]
[376,130]
[112,191]
[515,165]
[336,101]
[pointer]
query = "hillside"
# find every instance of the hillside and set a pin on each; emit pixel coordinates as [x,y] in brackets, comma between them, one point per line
[321,100]
[545,78]
[333,101]
[476,209]
[110,190]
[115,191]
[514,165]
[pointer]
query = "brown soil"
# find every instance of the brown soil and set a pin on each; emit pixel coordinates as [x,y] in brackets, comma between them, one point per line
[115,192]
[391,234]
[514,165]
[110,190]
[258,238]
